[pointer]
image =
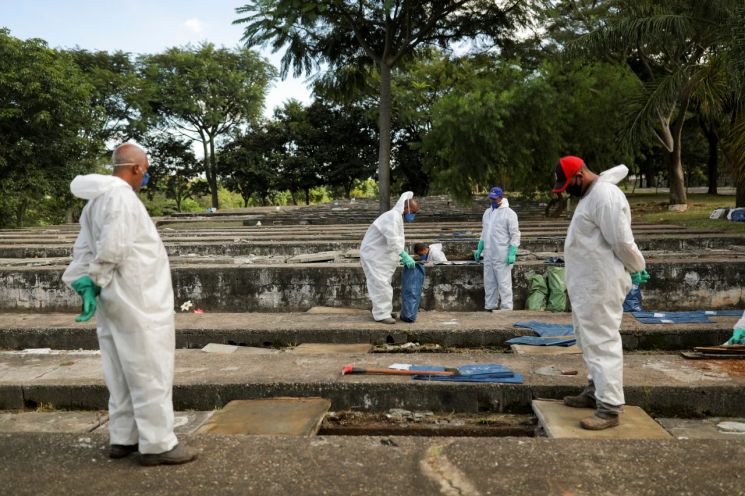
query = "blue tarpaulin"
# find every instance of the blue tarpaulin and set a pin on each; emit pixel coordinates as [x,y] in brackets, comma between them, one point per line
[488,372]
[546,329]
[537,341]
[692,317]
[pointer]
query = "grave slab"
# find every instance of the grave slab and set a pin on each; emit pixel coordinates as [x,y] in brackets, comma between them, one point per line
[526,349]
[79,421]
[326,348]
[561,421]
[708,428]
[274,416]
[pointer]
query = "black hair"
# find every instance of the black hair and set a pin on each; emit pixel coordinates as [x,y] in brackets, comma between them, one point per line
[420,246]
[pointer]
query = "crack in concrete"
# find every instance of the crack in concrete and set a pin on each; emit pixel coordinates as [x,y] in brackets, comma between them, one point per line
[451,480]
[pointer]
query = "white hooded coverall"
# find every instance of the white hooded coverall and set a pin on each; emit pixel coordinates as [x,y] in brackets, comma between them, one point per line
[379,255]
[599,252]
[500,230]
[120,249]
[436,255]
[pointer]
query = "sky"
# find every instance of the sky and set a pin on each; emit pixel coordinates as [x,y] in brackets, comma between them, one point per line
[140,26]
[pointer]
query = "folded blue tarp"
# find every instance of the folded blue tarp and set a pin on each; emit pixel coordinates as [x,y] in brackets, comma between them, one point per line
[537,341]
[491,372]
[546,329]
[691,317]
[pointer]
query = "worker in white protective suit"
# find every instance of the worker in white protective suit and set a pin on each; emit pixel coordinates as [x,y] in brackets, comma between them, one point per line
[602,261]
[430,254]
[380,252]
[738,332]
[119,258]
[500,237]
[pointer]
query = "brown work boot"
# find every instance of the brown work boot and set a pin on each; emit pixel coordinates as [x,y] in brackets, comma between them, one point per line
[178,455]
[596,423]
[389,320]
[579,401]
[122,450]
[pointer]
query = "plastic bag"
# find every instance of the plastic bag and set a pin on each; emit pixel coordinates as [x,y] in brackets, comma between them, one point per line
[736,215]
[537,292]
[557,289]
[412,282]
[633,301]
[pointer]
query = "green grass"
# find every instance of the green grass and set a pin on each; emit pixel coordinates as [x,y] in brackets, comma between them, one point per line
[651,207]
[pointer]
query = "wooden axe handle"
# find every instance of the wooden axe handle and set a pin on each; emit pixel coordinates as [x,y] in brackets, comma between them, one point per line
[350,369]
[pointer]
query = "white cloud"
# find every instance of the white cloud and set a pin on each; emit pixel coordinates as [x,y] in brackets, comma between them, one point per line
[195,25]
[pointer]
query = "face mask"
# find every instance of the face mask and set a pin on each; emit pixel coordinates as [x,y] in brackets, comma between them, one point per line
[145,179]
[409,217]
[495,204]
[574,189]
[423,258]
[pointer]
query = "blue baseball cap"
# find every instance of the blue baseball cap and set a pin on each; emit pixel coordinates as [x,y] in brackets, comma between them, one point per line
[495,192]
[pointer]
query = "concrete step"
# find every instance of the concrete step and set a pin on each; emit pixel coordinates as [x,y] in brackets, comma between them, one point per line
[448,329]
[52,464]
[676,284]
[454,249]
[662,384]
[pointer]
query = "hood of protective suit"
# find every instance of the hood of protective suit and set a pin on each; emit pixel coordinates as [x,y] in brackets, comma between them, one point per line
[92,186]
[401,203]
[505,203]
[615,174]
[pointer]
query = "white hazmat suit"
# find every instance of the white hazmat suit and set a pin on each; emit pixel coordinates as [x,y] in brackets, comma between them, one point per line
[436,255]
[500,230]
[379,255]
[120,249]
[599,252]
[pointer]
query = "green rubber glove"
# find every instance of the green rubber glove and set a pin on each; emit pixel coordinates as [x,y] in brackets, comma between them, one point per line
[511,255]
[639,277]
[407,260]
[738,337]
[479,249]
[88,291]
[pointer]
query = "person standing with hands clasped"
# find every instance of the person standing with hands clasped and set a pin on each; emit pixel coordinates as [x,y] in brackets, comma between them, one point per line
[602,260]
[119,258]
[500,237]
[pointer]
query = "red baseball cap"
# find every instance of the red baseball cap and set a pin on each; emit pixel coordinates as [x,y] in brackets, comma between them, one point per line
[565,170]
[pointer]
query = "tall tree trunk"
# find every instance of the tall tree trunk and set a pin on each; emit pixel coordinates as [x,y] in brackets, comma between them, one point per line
[676,176]
[307,196]
[712,164]
[213,174]
[740,192]
[384,126]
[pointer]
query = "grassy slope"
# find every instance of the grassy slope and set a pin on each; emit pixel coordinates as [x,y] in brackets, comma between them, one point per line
[650,207]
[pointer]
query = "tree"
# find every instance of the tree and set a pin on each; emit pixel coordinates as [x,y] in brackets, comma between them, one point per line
[667,45]
[173,166]
[205,93]
[42,127]
[343,34]
[247,167]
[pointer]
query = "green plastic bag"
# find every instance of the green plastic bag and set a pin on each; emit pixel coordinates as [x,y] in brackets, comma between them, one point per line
[557,289]
[537,292]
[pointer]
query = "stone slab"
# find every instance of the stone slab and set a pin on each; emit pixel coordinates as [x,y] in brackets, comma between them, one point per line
[220,348]
[326,348]
[525,349]
[79,421]
[273,416]
[561,421]
[708,428]
[327,256]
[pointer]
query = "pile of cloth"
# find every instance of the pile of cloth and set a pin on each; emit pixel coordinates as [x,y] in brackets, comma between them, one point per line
[549,334]
[691,317]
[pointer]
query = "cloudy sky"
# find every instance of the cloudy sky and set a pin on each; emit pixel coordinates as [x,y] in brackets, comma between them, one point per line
[138,26]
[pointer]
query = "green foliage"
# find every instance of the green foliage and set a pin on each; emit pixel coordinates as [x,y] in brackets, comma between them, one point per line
[42,127]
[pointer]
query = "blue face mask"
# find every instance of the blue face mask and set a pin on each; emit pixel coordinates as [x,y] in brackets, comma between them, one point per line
[145,179]
[423,258]
[409,217]
[495,204]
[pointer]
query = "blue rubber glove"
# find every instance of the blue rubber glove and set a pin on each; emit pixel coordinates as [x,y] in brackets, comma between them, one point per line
[88,291]
[638,278]
[479,249]
[738,337]
[511,255]
[407,260]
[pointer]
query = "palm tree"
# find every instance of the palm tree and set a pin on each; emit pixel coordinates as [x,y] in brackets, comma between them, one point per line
[677,49]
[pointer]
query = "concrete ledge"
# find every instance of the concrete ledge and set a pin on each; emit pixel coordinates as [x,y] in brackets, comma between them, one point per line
[675,284]
[52,464]
[451,329]
[666,385]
